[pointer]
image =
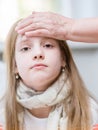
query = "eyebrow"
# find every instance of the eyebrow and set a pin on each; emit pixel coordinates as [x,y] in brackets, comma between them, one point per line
[49,39]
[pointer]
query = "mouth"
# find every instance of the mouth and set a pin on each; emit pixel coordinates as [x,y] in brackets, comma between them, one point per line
[39,66]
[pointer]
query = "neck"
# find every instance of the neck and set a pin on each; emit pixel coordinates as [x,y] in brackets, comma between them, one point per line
[40,112]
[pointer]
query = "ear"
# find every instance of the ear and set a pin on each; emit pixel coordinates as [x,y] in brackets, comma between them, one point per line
[63,62]
[15,69]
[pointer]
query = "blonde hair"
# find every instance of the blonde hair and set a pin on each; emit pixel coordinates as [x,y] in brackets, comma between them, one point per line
[11,111]
[77,110]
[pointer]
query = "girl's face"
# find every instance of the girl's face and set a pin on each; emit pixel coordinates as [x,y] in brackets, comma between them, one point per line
[38,61]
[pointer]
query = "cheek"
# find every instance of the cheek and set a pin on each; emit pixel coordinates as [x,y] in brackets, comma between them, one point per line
[22,70]
[56,62]
[58,59]
[21,64]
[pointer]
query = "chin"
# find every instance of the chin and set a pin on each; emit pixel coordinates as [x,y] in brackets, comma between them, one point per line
[41,84]
[39,89]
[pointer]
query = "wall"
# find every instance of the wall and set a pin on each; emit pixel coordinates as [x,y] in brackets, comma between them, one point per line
[86,60]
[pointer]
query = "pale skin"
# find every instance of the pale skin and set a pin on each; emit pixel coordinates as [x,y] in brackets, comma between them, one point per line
[36,63]
[53,25]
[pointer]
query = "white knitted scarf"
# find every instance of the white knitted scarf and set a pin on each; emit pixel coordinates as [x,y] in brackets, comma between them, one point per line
[54,96]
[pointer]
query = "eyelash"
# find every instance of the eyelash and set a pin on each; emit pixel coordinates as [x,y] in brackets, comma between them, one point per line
[25,49]
[48,45]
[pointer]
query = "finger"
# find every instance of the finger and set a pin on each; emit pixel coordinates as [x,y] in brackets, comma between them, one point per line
[40,32]
[22,26]
[26,29]
[36,17]
[37,14]
[23,23]
[47,14]
[28,22]
[35,26]
[41,16]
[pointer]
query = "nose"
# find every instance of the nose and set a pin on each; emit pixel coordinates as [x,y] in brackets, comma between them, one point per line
[38,57]
[38,54]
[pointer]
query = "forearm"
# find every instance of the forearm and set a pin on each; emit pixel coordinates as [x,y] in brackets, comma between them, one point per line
[53,25]
[84,30]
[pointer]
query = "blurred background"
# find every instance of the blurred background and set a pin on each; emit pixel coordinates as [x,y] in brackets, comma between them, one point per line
[85,55]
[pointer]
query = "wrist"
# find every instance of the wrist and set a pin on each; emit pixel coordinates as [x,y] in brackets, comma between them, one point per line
[70,29]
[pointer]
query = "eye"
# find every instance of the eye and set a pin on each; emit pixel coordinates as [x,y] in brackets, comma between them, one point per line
[48,45]
[24,49]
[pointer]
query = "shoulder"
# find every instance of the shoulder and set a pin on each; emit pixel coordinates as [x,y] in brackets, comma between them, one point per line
[95,127]
[1,127]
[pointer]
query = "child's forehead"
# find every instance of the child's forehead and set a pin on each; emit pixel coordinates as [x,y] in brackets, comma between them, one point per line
[23,38]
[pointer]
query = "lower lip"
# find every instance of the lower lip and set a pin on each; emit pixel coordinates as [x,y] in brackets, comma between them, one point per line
[39,67]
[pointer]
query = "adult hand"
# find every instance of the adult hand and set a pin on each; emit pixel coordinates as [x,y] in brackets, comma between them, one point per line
[46,24]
